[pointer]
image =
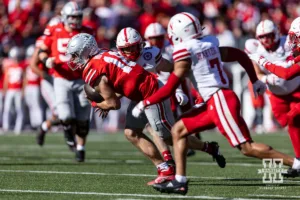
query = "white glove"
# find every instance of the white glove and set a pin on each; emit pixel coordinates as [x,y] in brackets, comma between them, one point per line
[50,62]
[272,79]
[138,109]
[259,88]
[182,99]
[258,59]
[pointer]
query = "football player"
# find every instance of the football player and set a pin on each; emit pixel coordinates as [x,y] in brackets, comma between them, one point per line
[72,107]
[113,76]
[200,58]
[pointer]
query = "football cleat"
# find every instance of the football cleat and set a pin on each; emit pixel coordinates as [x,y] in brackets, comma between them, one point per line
[164,175]
[70,141]
[172,187]
[40,137]
[291,173]
[80,156]
[217,156]
[190,152]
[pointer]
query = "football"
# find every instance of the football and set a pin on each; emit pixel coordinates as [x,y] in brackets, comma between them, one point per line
[92,94]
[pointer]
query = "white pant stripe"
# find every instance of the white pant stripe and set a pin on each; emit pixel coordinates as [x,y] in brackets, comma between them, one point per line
[231,121]
[223,120]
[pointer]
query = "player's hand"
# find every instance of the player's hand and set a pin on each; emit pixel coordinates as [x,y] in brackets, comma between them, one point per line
[182,99]
[272,79]
[102,113]
[138,109]
[258,59]
[259,88]
[50,62]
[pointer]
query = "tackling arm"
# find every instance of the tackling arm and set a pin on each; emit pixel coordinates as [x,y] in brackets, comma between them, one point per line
[285,73]
[181,68]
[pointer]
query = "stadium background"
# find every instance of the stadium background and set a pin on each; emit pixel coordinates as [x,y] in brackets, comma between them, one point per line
[22,21]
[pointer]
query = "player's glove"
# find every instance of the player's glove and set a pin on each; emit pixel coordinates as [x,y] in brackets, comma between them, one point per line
[138,109]
[259,88]
[258,59]
[49,62]
[182,99]
[272,79]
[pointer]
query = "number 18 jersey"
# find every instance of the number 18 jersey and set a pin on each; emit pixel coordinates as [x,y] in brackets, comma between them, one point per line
[207,73]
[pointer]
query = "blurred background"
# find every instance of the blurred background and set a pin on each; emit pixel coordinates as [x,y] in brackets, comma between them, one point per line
[232,21]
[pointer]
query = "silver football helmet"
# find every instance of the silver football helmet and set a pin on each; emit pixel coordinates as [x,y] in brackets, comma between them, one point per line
[80,49]
[71,15]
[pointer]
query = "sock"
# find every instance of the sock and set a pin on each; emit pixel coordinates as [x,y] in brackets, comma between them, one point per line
[44,126]
[181,179]
[167,155]
[296,164]
[162,165]
[207,148]
[80,147]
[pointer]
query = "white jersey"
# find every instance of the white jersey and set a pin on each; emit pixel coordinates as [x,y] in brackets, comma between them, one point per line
[150,58]
[167,53]
[207,73]
[278,56]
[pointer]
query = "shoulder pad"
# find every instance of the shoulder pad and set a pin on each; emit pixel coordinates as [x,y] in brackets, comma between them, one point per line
[251,46]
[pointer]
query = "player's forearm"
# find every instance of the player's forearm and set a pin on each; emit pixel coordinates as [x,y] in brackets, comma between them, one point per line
[110,104]
[164,92]
[234,54]
[284,73]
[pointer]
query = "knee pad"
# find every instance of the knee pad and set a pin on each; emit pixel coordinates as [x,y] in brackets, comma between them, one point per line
[82,128]
[67,124]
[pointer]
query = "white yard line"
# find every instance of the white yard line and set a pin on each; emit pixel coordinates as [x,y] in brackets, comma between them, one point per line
[273,195]
[131,175]
[120,194]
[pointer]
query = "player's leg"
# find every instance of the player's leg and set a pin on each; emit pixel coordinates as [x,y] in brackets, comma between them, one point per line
[161,120]
[226,115]
[82,112]
[18,101]
[1,106]
[32,99]
[8,102]
[65,109]
[133,133]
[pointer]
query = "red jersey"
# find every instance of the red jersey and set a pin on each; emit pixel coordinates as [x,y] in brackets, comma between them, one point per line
[14,75]
[127,78]
[57,41]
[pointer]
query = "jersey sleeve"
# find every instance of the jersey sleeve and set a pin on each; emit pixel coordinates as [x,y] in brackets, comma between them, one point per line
[180,53]
[251,46]
[93,73]
[211,39]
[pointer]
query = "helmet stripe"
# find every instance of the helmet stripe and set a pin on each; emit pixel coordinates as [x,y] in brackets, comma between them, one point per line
[194,24]
[263,27]
[125,33]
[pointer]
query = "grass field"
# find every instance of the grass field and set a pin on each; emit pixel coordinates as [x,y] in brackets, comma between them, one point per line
[114,169]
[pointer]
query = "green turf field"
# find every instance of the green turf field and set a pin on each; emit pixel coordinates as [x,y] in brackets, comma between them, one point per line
[114,169]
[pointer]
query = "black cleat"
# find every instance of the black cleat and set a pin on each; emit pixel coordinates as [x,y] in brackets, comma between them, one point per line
[217,156]
[70,141]
[190,152]
[40,137]
[80,155]
[172,187]
[291,173]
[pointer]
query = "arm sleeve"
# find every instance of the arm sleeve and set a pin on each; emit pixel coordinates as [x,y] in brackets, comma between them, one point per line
[285,73]
[234,54]
[164,92]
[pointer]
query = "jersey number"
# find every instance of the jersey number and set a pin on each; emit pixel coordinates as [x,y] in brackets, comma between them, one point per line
[62,44]
[215,62]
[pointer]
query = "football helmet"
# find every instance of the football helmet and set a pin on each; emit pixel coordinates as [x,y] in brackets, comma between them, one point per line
[155,34]
[182,27]
[267,33]
[16,53]
[294,35]
[71,15]
[130,43]
[29,51]
[80,49]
